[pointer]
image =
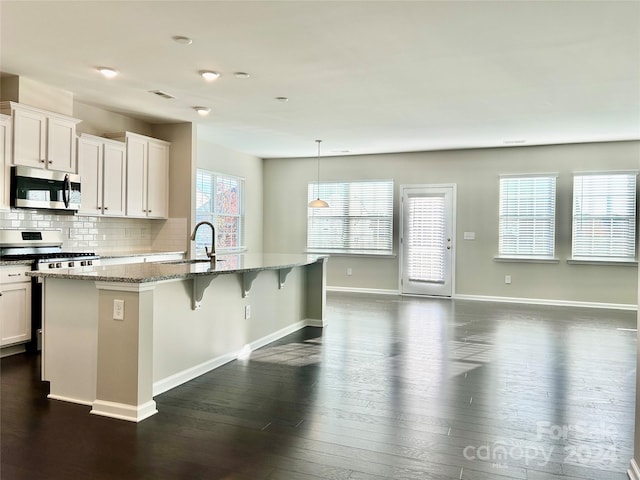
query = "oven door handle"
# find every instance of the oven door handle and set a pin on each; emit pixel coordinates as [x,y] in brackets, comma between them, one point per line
[66,191]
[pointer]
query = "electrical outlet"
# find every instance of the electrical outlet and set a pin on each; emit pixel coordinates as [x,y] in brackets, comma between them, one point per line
[349,271]
[247,312]
[507,279]
[118,309]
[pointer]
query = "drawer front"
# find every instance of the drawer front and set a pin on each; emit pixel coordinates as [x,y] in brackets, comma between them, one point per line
[15,274]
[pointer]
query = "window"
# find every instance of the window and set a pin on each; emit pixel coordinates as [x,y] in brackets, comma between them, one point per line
[359,219]
[604,216]
[527,216]
[220,200]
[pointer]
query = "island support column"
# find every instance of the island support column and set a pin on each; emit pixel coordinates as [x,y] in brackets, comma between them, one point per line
[124,377]
[316,293]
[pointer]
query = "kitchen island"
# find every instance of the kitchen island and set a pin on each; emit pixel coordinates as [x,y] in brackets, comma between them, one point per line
[116,336]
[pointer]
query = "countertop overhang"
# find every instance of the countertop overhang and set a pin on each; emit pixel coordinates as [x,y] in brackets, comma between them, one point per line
[184,269]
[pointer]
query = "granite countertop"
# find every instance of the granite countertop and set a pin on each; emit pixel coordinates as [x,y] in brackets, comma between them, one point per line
[180,269]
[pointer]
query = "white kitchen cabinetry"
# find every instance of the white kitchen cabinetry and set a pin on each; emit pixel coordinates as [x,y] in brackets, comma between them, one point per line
[42,139]
[102,166]
[15,305]
[147,175]
[5,158]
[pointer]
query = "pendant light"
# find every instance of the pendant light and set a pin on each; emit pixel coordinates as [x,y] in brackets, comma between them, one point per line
[317,203]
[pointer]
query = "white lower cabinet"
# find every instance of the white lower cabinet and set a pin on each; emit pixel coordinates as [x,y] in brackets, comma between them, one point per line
[15,305]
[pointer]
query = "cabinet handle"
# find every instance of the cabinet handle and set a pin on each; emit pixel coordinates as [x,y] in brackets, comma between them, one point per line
[106,208]
[42,161]
[50,161]
[14,274]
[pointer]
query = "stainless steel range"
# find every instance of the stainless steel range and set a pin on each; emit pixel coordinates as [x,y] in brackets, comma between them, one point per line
[43,250]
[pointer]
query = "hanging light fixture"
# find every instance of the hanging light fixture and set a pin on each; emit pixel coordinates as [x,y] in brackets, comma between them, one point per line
[317,203]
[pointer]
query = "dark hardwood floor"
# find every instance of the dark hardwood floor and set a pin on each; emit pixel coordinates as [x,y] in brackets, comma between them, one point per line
[392,388]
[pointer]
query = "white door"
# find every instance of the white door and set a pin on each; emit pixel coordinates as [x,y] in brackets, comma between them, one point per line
[427,247]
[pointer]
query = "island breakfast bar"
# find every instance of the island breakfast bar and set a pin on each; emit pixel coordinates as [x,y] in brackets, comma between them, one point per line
[116,336]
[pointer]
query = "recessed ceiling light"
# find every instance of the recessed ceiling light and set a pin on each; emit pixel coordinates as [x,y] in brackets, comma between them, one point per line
[282,99]
[182,40]
[107,72]
[209,75]
[202,111]
[241,75]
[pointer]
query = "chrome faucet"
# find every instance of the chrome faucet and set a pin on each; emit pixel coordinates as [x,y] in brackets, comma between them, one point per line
[210,253]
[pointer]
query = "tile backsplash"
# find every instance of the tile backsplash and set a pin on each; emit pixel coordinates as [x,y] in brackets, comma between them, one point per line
[103,234]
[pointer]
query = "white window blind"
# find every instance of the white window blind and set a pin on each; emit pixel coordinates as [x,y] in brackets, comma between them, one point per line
[604,216]
[220,200]
[359,218]
[527,216]
[426,239]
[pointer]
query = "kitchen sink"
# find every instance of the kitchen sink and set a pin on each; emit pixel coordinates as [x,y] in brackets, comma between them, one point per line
[186,261]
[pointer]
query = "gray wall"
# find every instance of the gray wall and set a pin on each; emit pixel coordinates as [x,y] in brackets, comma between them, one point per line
[476,173]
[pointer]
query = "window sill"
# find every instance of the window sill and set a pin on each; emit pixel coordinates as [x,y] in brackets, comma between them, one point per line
[231,251]
[527,259]
[355,253]
[602,261]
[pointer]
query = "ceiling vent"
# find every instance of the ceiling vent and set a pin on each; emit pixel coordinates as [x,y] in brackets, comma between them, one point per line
[162,94]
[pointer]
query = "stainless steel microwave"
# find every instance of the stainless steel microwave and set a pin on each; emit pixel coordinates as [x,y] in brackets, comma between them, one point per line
[47,189]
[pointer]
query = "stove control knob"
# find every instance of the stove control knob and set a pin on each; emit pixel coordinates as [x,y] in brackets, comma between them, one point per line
[52,265]
[58,265]
[83,263]
[89,262]
[71,264]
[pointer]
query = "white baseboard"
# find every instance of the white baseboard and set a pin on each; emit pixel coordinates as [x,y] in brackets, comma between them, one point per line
[545,301]
[123,411]
[377,291]
[189,374]
[315,322]
[487,298]
[12,350]
[634,470]
[62,398]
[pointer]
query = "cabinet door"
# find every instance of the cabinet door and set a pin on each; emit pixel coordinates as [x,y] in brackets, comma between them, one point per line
[15,313]
[61,145]
[90,170]
[136,177]
[5,156]
[29,138]
[114,185]
[158,181]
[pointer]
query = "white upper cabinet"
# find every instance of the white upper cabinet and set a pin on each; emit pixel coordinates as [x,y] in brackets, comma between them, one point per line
[147,175]
[42,139]
[158,180]
[5,156]
[114,179]
[102,166]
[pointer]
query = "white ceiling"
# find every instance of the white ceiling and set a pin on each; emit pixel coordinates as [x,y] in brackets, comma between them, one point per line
[364,76]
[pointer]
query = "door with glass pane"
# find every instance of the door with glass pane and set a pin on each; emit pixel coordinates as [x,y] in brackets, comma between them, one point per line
[427,240]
